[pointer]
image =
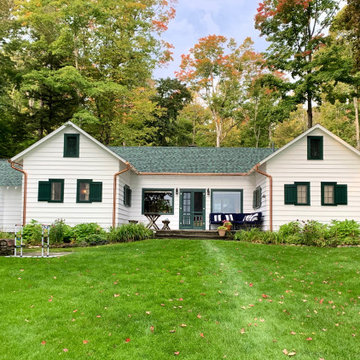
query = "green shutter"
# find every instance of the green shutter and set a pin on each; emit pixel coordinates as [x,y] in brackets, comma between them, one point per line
[44,191]
[257,198]
[127,195]
[96,191]
[290,195]
[71,145]
[341,194]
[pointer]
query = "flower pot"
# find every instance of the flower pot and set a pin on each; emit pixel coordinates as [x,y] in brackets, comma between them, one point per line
[222,232]
[228,227]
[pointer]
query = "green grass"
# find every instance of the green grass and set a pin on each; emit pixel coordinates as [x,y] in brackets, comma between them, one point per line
[237,300]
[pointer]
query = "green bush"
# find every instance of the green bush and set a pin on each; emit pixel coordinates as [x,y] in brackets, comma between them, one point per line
[97,239]
[252,235]
[32,233]
[6,235]
[60,232]
[315,233]
[129,232]
[347,231]
[286,230]
[83,231]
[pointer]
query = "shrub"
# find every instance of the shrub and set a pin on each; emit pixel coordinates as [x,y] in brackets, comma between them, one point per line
[286,230]
[97,239]
[347,231]
[314,233]
[252,235]
[83,231]
[6,235]
[129,232]
[60,232]
[32,233]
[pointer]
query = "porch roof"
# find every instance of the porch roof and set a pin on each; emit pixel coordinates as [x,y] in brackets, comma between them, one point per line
[9,176]
[148,159]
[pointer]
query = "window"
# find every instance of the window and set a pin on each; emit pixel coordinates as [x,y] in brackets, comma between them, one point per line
[333,194]
[158,201]
[88,191]
[226,201]
[315,148]
[51,191]
[257,198]
[127,195]
[71,145]
[297,193]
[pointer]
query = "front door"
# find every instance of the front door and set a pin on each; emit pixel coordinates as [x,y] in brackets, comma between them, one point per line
[192,209]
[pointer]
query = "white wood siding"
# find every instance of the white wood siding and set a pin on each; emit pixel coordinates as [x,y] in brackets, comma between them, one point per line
[10,207]
[47,162]
[263,182]
[122,210]
[187,182]
[340,165]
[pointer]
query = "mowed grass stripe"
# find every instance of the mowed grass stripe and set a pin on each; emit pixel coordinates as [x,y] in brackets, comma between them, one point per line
[142,291]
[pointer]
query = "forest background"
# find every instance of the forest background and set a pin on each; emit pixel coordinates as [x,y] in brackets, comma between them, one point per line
[92,62]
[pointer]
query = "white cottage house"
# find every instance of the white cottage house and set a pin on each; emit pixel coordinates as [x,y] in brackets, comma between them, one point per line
[70,175]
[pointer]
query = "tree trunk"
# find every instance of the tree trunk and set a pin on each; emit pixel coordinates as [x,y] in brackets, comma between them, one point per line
[218,125]
[309,110]
[356,106]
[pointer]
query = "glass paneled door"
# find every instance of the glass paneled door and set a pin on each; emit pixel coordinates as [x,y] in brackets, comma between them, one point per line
[192,209]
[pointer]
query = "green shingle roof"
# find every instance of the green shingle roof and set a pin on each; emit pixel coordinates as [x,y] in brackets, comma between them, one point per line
[192,159]
[9,176]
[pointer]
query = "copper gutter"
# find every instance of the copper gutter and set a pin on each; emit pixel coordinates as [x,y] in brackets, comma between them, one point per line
[128,166]
[256,168]
[13,163]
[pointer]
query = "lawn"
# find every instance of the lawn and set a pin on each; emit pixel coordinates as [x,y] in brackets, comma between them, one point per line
[161,299]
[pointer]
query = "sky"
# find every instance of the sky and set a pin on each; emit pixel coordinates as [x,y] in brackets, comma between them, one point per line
[199,18]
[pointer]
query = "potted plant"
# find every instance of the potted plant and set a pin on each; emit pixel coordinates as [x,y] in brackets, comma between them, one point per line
[222,230]
[227,224]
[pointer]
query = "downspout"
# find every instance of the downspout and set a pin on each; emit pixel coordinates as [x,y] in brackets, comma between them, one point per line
[256,168]
[12,163]
[114,191]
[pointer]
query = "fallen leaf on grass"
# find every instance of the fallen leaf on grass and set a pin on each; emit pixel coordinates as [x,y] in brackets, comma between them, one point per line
[202,335]
[85,342]
[65,350]
[43,342]
[172,331]
[116,295]
[98,316]
[148,312]
[152,328]
[198,316]
[242,331]
[183,325]
[309,339]
[293,333]
[176,352]
[251,284]
[127,340]
[74,311]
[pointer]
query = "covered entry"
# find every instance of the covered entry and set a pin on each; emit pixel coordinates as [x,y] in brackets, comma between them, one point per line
[192,209]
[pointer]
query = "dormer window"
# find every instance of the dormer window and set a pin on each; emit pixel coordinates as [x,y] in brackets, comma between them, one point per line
[315,148]
[71,145]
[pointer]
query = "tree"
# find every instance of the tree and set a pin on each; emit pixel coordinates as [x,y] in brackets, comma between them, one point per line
[339,69]
[296,29]
[81,60]
[171,96]
[214,68]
